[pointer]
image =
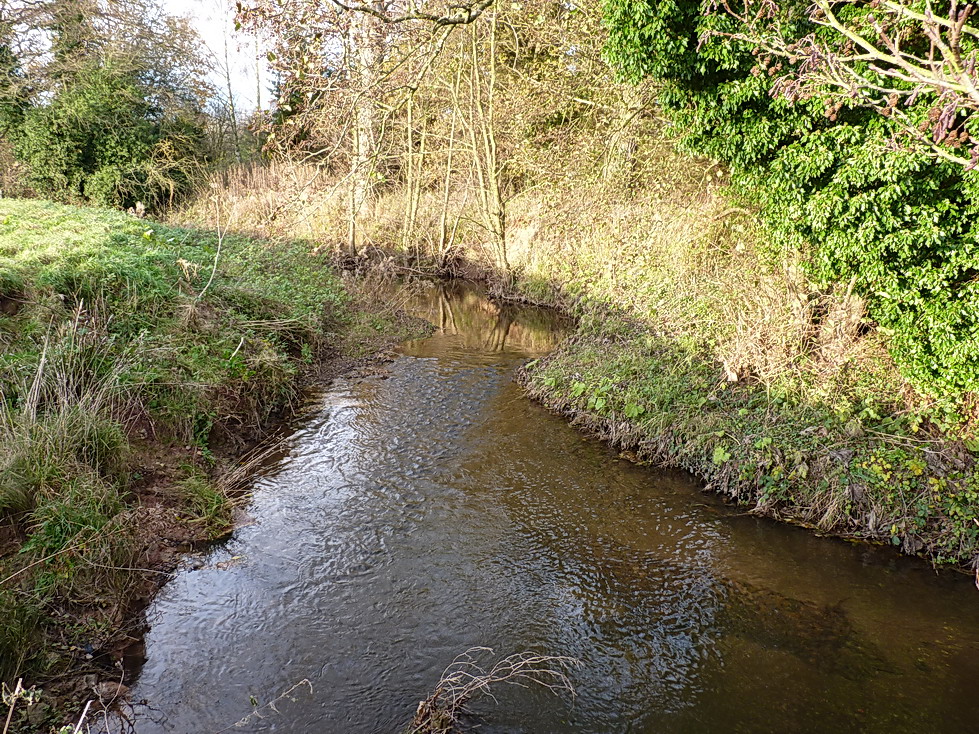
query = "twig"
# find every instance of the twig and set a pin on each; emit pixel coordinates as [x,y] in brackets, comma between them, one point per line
[217,255]
[237,349]
[269,706]
[78,726]
[465,677]
[14,697]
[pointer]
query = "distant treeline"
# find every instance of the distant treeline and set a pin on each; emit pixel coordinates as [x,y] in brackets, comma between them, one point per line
[106,103]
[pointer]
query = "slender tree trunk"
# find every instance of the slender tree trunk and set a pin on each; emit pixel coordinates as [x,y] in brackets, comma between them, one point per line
[232,111]
[258,80]
[366,47]
[413,178]
[406,225]
[485,148]
[445,241]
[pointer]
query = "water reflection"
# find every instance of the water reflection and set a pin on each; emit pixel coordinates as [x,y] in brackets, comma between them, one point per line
[479,324]
[434,508]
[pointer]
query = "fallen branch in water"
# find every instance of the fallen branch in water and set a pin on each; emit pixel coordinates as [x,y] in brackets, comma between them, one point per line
[466,676]
[259,712]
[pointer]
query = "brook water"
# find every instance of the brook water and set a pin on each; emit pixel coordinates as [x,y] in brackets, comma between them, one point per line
[432,508]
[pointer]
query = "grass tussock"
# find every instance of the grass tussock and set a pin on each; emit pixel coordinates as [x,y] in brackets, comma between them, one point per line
[206,501]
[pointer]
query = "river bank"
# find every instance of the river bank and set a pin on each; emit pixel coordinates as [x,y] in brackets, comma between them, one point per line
[779,458]
[702,345]
[143,367]
[431,507]
[835,440]
[823,433]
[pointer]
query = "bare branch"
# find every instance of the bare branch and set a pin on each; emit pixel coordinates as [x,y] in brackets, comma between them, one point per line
[874,60]
[467,677]
[455,14]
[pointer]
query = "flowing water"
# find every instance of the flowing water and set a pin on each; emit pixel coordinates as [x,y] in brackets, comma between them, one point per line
[432,508]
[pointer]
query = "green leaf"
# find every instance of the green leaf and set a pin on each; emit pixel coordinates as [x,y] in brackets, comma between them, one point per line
[721,455]
[632,410]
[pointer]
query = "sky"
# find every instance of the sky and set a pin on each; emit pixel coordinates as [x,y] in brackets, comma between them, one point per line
[214,21]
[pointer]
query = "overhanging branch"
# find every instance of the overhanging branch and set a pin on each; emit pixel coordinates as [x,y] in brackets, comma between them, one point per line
[456,14]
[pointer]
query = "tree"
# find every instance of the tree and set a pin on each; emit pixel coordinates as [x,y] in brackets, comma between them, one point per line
[102,102]
[852,127]
[904,59]
[99,141]
[339,63]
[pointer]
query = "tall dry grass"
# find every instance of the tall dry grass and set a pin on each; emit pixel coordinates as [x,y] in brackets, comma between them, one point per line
[664,246]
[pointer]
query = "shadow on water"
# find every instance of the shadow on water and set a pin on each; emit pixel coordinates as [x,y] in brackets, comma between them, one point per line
[434,508]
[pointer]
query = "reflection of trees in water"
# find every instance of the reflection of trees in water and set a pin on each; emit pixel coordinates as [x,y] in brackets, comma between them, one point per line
[463,310]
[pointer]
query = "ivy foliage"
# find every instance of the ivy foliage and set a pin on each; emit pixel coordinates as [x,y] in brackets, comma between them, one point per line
[831,182]
[98,140]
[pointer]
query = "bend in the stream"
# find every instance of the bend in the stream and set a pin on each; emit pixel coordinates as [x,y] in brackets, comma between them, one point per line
[433,508]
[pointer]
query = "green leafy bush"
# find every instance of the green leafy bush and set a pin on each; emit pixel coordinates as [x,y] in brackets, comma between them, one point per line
[98,140]
[829,180]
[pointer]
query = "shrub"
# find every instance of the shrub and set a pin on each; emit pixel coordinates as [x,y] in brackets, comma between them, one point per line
[897,223]
[98,140]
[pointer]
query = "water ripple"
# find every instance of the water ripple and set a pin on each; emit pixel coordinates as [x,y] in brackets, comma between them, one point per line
[419,515]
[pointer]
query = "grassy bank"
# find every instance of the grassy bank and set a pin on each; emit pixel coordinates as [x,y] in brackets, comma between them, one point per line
[137,363]
[701,344]
[856,474]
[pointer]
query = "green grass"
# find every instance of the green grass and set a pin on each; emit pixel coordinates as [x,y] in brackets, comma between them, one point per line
[139,284]
[205,502]
[117,334]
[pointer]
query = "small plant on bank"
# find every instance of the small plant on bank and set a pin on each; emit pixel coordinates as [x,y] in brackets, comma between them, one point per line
[206,502]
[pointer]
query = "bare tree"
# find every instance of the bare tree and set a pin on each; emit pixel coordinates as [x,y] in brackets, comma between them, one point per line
[52,38]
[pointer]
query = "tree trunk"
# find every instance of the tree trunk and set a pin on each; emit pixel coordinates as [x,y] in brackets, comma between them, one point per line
[620,154]
[486,157]
[365,37]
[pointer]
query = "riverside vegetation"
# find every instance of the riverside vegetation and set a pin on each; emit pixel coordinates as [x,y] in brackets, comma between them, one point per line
[775,292]
[139,363]
[762,216]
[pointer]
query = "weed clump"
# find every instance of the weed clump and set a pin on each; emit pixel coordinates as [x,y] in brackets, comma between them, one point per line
[18,633]
[206,502]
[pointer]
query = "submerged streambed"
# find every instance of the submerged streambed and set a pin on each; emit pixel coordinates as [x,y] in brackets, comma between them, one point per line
[433,508]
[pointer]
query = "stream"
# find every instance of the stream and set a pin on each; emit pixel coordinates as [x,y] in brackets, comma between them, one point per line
[431,507]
